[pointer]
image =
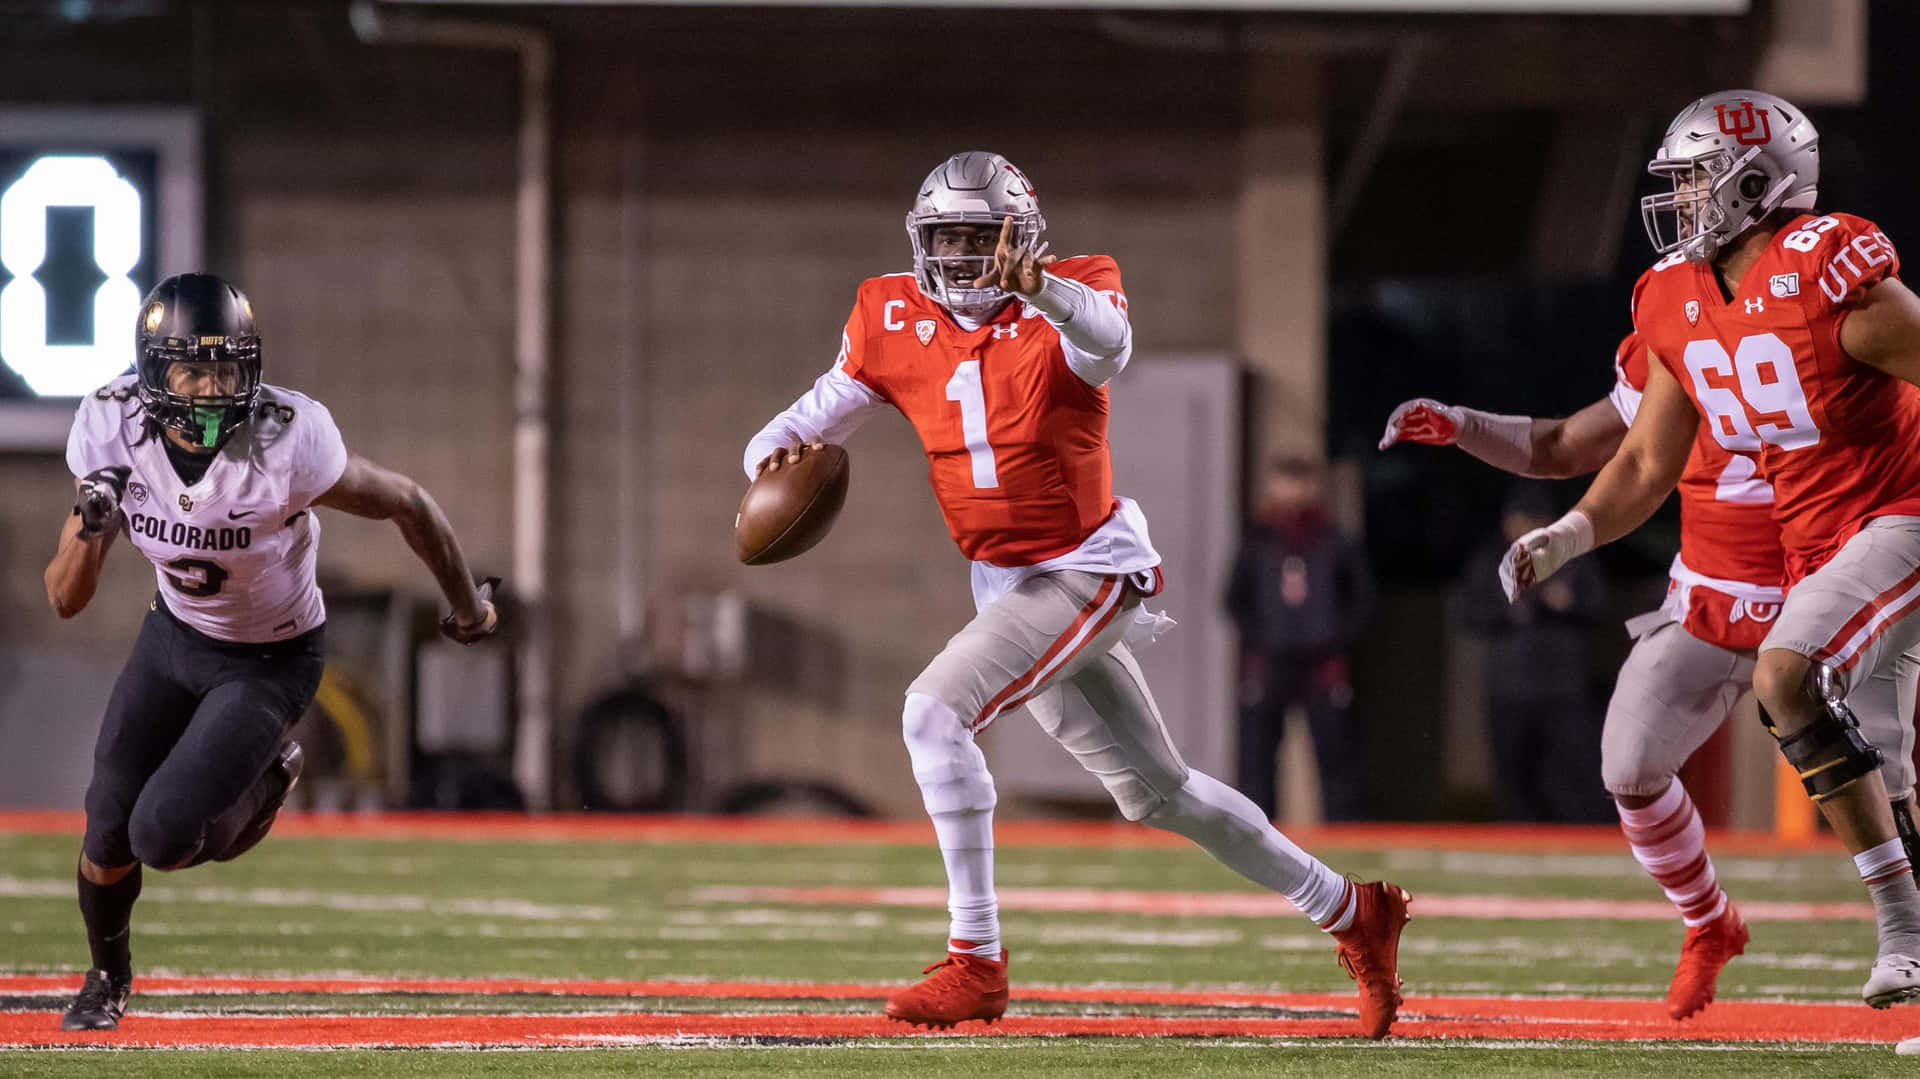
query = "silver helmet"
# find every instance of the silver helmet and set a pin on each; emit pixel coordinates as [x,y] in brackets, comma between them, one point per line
[1733,157]
[970,188]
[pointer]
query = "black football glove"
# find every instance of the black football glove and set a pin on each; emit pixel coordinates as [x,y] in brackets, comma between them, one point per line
[452,630]
[97,502]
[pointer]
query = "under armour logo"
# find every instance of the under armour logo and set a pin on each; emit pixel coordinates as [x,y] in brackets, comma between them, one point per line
[1755,305]
[1748,126]
[1006,329]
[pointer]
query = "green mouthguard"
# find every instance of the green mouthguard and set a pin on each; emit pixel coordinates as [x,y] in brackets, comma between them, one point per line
[209,420]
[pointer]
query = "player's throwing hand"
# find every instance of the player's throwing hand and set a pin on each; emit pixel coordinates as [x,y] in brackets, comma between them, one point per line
[1015,269]
[1423,420]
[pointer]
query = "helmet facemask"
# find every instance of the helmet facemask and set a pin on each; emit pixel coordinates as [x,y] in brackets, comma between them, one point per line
[205,392]
[1692,218]
[948,279]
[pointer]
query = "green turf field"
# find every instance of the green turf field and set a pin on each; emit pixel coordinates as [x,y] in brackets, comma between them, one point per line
[306,908]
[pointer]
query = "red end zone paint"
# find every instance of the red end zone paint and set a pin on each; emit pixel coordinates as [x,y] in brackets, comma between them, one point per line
[562,827]
[1425,1017]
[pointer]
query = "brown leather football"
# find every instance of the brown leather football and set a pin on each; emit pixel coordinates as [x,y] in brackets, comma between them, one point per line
[785,513]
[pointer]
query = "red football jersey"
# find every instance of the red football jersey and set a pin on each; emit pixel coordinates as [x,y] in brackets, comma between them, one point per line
[1016,442]
[1837,440]
[1727,532]
[1726,509]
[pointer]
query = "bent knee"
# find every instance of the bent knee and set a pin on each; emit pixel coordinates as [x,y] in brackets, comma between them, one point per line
[926,720]
[163,837]
[1636,778]
[1779,681]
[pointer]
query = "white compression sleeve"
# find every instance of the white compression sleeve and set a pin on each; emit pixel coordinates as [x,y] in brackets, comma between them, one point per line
[1094,332]
[1505,442]
[834,408]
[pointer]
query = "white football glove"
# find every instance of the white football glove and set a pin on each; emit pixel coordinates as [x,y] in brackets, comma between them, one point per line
[1540,553]
[1424,420]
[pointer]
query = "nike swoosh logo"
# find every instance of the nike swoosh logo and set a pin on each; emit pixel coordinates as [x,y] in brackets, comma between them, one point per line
[232,516]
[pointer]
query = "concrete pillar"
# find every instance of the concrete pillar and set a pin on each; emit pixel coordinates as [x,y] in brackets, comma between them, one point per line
[1280,259]
[1280,324]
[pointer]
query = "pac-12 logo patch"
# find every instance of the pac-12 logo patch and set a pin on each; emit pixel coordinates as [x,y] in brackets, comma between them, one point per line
[1693,312]
[139,491]
[1784,285]
[923,329]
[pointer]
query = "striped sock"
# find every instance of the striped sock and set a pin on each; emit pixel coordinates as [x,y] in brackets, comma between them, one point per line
[1669,842]
[1344,905]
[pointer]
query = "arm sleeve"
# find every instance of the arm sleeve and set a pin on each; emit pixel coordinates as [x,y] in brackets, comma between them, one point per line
[320,455]
[1094,331]
[836,406]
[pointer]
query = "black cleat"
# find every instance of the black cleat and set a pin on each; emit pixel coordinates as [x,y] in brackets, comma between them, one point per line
[100,1004]
[291,762]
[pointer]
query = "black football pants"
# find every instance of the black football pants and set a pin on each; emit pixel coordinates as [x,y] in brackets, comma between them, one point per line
[192,725]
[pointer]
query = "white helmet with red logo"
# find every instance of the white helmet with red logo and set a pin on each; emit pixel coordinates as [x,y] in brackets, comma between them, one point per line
[1734,157]
[970,188]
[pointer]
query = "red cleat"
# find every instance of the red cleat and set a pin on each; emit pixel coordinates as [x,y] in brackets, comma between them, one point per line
[1370,953]
[1708,948]
[962,987]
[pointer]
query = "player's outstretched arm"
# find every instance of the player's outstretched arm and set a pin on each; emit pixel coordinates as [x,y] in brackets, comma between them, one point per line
[367,490]
[1883,330]
[1523,445]
[1578,445]
[74,572]
[1627,492]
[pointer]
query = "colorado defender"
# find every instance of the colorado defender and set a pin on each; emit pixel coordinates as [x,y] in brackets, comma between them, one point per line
[214,476]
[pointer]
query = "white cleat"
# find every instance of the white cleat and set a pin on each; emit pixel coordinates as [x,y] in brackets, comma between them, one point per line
[1894,978]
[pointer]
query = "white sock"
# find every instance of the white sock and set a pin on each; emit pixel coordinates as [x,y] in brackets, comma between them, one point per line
[958,792]
[1227,825]
[1670,843]
[1896,902]
[973,908]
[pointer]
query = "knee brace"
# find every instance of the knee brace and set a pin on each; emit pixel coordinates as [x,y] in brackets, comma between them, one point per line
[1829,753]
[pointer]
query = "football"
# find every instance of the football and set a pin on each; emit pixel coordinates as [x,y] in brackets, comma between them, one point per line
[786,512]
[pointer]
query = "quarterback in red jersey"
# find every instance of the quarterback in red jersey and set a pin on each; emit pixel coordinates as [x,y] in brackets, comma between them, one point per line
[999,356]
[1692,659]
[1787,337]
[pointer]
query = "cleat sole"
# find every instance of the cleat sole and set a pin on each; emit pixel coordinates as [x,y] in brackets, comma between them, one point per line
[1895,996]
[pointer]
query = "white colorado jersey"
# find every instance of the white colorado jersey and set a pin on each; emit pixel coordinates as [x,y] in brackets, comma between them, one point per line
[234,553]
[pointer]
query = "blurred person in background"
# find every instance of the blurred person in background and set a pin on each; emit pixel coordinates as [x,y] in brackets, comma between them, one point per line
[1541,715]
[1300,592]
[214,476]
[1000,357]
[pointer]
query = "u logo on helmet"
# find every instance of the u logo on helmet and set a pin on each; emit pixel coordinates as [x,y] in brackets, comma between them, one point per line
[1748,126]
